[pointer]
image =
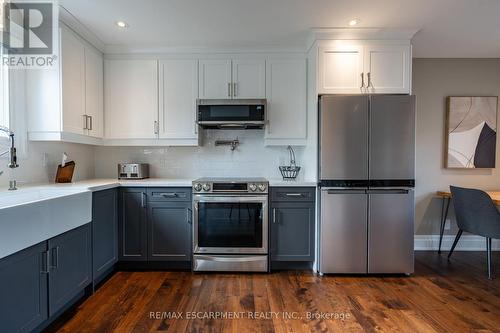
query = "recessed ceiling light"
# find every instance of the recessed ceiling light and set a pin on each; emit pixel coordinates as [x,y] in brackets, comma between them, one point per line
[353,22]
[122,24]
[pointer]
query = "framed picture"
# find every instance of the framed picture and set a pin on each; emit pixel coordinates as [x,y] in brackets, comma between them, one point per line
[471,132]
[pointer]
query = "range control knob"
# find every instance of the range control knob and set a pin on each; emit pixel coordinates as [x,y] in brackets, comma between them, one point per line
[197,187]
[206,187]
[262,187]
[252,187]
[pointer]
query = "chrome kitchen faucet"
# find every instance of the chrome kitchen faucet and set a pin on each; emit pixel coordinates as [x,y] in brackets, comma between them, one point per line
[13,155]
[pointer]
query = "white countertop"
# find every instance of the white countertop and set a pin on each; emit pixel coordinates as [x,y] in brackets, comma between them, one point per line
[107,183]
[291,183]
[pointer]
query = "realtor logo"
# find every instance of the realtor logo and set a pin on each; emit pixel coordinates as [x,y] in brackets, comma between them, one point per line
[29,34]
[28,27]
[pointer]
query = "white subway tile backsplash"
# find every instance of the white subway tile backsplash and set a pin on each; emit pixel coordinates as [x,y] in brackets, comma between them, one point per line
[250,159]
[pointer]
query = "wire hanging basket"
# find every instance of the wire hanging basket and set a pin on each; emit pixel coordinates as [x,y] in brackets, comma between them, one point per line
[290,172]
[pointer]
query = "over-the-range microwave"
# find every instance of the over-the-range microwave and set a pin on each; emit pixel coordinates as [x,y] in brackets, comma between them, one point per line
[231,113]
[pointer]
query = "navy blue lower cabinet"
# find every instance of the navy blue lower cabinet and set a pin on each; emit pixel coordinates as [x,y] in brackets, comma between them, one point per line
[23,289]
[132,228]
[104,232]
[169,231]
[292,220]
[70,266]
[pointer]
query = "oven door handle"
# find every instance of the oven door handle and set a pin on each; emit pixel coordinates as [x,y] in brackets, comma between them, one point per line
[229,259]
[230,199]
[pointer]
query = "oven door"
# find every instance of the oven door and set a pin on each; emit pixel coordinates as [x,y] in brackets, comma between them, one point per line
[227,224]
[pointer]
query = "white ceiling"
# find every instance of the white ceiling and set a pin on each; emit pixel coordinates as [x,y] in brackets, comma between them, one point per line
[448,28]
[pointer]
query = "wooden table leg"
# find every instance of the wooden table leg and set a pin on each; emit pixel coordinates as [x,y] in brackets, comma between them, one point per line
[444,216]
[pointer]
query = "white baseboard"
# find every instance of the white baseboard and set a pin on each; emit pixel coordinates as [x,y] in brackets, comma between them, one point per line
[466,243]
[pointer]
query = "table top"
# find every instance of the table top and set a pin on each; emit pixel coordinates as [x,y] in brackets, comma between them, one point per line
[495,195]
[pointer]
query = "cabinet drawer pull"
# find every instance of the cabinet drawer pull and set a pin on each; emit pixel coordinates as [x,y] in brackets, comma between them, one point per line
[156,127]
[45,262]
[54,262]
[169,195]
[293,194]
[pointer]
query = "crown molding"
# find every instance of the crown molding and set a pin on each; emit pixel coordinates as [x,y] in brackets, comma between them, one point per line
[146,49]
[360,33]
[78,27]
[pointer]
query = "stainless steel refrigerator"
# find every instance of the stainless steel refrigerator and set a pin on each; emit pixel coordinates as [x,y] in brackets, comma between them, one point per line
[367,176]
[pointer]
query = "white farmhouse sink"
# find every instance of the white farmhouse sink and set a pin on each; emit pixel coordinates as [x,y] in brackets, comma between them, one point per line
[30,216]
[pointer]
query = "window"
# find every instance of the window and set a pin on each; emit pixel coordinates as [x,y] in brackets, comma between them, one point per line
[4,80]
[4,94]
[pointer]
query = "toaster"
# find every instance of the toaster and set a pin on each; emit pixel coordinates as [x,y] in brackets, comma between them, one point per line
[133,171]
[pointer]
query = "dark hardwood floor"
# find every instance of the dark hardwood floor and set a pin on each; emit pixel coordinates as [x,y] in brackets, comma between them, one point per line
[441,296]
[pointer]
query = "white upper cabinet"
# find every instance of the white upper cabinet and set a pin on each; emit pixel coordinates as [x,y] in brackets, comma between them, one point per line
[286,101]
[215,79]
[73,83]
[131,99]
[387,69]
[94,93]
[341,69]
[178,94]
[364,67]
[237,78]
[249,78]
[66,103]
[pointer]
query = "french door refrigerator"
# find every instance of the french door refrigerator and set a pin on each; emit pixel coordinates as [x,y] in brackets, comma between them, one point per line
[367,176]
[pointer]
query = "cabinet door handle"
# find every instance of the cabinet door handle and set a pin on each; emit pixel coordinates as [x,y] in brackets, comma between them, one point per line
[362,81]
[45,262]
[54,262]
[91,127]
[169,195]
[189,213]
[369,80]
[156,127]
[85,121]
[143,200]
[229,89]
[274,215]
[234,89]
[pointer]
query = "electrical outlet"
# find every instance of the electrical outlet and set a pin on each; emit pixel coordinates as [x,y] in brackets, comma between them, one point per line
[447,224]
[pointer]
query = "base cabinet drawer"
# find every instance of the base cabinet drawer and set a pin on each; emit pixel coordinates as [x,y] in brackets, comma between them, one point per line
[23,290]
[132,226]
[40,281]
[104,232]
[70,266]
[169,231]
[292,224]
[155,224]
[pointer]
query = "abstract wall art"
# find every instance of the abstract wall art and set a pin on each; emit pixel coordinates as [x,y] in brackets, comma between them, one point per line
[471,132]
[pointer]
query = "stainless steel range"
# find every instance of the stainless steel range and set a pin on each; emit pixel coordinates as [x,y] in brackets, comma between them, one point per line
[230,224]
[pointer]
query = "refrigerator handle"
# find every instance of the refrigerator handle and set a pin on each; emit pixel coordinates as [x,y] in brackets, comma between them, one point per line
[346,191]
[389,191]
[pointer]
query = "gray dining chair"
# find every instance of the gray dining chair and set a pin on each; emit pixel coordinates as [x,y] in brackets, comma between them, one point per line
[477,214]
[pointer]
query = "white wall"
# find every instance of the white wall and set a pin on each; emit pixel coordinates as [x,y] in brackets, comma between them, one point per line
[250,159]
[433,81]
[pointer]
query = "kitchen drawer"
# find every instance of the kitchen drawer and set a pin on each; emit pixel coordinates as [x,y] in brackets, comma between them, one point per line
[293,193]
[169,194]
